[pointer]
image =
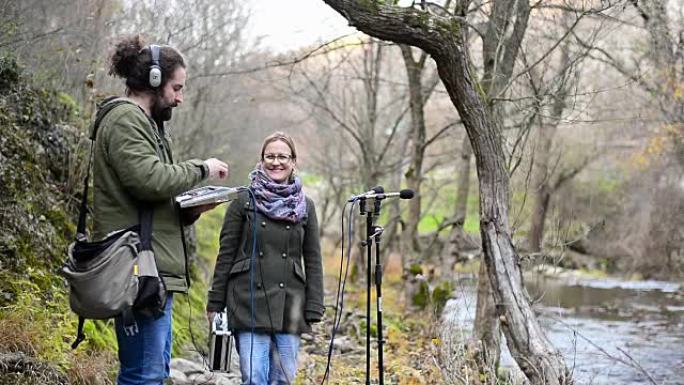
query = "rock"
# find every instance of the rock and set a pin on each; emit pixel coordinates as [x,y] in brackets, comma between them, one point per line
[177,377]
[186,366]
[27,369]
[215,378]
[306,337]
[343,344]
[192,370]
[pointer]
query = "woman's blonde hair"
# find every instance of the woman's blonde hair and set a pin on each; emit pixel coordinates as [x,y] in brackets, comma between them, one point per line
[278,135]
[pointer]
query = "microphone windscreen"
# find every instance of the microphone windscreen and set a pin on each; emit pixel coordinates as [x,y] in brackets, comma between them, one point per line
[406,194]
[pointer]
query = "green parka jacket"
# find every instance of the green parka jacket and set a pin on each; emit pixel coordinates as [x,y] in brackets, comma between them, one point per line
[132,167]
[287,276]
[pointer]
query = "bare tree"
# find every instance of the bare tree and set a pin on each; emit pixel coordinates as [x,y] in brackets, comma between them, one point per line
[664,59]
[359,111]
[502,46]
[501,41]
[60,41]
[443,38]
[653,62]
[551,98]
[349,96]
[658,70]
[418,97]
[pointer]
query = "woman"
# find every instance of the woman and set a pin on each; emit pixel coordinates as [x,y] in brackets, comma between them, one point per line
[272,293]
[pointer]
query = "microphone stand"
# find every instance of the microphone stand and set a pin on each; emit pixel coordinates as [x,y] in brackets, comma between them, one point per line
[373,233]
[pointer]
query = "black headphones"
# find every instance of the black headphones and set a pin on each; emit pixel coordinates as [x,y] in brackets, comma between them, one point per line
[155,77]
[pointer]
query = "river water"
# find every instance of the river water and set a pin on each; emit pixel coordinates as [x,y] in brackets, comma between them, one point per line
[611,332]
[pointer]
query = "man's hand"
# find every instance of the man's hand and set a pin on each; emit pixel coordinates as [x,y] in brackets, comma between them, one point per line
[191,214]
[217,169]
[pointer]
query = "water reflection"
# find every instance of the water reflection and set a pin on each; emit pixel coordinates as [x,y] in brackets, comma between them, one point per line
[605,329]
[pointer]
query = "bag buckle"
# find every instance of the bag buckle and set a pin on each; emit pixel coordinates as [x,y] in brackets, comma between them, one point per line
[131,330]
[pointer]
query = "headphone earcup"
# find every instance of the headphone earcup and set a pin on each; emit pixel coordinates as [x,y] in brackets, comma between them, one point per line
[155,76]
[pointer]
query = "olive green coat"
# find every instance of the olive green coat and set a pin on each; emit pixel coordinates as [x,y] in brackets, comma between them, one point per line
[132,166]
[287,276]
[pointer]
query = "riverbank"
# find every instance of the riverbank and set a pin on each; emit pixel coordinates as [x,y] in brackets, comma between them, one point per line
[611,330]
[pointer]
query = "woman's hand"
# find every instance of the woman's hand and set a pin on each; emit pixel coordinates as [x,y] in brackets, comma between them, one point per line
[210,317]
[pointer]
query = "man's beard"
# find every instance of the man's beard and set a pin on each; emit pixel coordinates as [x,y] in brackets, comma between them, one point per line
[161,111]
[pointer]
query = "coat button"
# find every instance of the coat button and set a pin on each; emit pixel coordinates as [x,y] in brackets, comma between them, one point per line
[284,255]
[263,224]
[282,285]
[287,227]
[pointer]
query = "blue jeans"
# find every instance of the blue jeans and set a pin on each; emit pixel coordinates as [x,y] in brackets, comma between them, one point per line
[145,356]
[273,358]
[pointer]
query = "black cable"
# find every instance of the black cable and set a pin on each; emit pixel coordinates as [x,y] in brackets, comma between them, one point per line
[192,338]
[341,284]
[251,282]
[270,319]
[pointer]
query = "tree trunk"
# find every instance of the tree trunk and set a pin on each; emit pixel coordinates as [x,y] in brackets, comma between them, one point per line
[500,44]
[543,169]
[414,174]
[535,237]
[487,330]
[542,190]
[458,239]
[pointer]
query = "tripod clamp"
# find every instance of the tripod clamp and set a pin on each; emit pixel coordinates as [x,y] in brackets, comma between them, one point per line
[377,232]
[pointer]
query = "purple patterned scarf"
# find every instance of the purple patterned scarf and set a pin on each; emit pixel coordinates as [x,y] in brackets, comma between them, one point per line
[283,202]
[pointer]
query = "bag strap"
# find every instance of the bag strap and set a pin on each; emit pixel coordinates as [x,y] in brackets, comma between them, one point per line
[145,220]
[129,325]
[109,103]
[80,336]
[81,227]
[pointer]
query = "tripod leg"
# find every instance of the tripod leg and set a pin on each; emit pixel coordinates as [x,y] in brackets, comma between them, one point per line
[369,250]
[378,291]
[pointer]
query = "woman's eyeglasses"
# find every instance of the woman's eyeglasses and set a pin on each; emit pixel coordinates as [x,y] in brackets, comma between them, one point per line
[282,158]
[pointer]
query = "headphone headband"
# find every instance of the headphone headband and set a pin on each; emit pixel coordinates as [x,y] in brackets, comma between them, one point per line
[154,51]
[155,77]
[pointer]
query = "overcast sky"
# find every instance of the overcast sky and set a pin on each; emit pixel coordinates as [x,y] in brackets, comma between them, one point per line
[290,24]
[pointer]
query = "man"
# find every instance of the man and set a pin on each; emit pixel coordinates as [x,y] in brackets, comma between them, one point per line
[134,168]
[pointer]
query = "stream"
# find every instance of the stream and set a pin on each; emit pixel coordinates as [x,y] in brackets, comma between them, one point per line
[610,331]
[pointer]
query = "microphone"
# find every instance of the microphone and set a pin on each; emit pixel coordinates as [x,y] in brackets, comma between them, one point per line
[403,194]
[374,190]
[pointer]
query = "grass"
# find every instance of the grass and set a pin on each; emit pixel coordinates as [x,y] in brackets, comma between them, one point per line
[208,229]
[443,206]
[40,325]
